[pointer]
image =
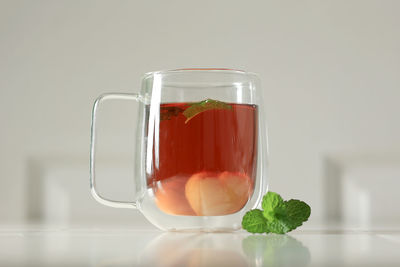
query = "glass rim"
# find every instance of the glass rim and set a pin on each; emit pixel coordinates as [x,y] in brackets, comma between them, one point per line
[200,70]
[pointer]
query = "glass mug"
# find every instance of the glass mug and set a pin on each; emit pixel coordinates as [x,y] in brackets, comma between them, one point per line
[200,160]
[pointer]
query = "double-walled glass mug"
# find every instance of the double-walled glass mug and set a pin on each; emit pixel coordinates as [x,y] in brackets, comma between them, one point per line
[201,149]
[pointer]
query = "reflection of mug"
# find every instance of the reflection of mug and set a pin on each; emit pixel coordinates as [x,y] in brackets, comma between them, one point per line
[192,249]
[201,151]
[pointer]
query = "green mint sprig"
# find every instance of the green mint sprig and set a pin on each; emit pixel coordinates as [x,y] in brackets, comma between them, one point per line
[278,216]
[208,104]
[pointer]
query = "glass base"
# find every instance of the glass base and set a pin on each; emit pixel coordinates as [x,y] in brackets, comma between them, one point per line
[183,223]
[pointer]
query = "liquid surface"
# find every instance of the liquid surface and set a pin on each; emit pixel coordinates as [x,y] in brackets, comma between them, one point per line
[206,165]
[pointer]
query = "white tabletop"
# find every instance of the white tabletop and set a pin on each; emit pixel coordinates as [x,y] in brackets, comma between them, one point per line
[112,246]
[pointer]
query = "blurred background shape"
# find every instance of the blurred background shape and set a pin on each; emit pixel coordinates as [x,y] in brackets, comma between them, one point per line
[330,73]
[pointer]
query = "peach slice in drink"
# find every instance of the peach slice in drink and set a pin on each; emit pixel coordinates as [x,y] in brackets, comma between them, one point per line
[170,196]
[211,194]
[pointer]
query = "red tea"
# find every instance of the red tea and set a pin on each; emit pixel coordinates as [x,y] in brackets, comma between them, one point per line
[206,163]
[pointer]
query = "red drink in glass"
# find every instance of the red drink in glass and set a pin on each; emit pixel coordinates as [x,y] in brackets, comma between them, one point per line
[206,164]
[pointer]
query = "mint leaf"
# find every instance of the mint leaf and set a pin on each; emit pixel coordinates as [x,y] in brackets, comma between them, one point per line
[272,203]
[278,226]
[297,212]
[280,216]
[208,104]
[166,113]
[254,222]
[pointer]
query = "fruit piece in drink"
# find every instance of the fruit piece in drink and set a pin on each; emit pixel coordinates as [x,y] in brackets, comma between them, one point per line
[212,194]
[170,196]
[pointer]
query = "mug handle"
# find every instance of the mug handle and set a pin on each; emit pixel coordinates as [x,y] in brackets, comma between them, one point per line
[95,194]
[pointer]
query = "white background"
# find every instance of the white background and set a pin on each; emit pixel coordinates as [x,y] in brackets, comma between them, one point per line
[330,73]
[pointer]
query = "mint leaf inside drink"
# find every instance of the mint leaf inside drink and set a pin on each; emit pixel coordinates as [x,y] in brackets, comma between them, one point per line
[199,107]
[278,216]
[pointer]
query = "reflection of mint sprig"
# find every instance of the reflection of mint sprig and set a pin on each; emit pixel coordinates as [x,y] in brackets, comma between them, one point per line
[208,104]
[275,250]
[277,216]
